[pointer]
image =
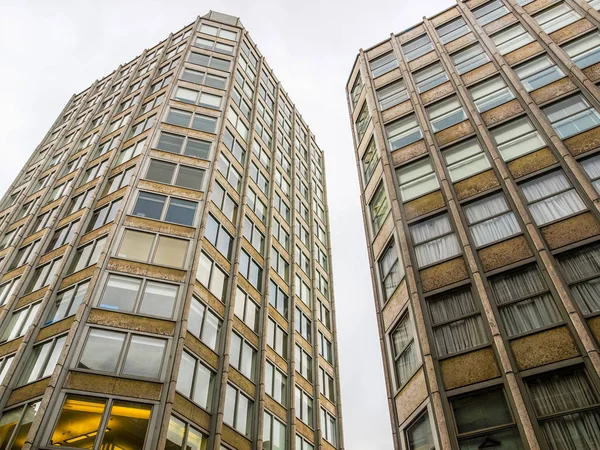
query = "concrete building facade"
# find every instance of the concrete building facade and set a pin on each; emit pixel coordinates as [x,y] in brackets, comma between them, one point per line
[477,139]
[165,269]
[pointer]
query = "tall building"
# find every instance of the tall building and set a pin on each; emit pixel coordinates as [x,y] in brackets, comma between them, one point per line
[165,263]
[477,139]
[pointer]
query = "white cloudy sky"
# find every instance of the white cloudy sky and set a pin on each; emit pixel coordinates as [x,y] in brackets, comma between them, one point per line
[52,49]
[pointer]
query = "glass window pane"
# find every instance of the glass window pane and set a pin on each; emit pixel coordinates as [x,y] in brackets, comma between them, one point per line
[102,350]
[170,251]
[158,299]
[78,420]
[136,245]
[144,357]
[120,293]
[127,426]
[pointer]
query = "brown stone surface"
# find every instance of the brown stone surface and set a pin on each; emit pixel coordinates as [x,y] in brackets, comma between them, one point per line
[504,253]
[422,61]
[537,5]
[384,233]
[396,111]
[32,297]
[170,190]
[476,184]
[131,322]
[553,90]
[28,391]
[107,384]
[571,230]
[78,276]
[143,269]
[183,159]
[502,112]
[242,382]
[502,22]
[387,77]
[445,16]
[520,54]
[544,348]
[55,328]
[531,163]
[159,226]
[453,133]
[412,33]
[190,411]
[379,50]
[14,273]
[460,42]
[444,274]
[593,72]
[572,30]
[469,368]
[201,350]
[584,142]
[10,346]
[423,205]
[411,396]
[395,305]
[409,152]
[437,92]
[474,3]
[235,439]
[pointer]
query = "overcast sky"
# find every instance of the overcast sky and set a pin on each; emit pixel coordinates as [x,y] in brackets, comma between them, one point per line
[53,49]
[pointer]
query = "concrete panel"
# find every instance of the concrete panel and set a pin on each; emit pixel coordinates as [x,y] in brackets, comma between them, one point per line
[453,133]
[572,30]
[469,368]
[504,253]
[444,274]
[423,205]
[411,396]
[532,162]
[437,92]
[502,22]
[235,439]
[593,72]
[544,348]
[520,54]
[409,152]
[396,111]
[28,391]
[131,322]
[107,384]
[190,411]
[476,184]
[571,230]
[553,90]
[460,42]
[584,142]
[395,305]
[502,112]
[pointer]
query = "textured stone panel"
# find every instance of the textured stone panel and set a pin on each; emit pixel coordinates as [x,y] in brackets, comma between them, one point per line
[571,230]
[107,384]
[409,152]
[553,90]
[502,112]
[28,391]
[131,322]
[190,411]
[520,54]
[594,324]
[584,142]
[445,16]
[572,30]
[443,274]
[411,396]
[469,368]
[544,348]
[424,205]
[476,184]
[460,42]
[537,5]
[55,328]
[593,72]
[235,439]
[379,50]
[504,253]
[453,133]
[532,162]
[412,33]
[396,111]
[395,305]
[422,61]
[437,92]
[502,22]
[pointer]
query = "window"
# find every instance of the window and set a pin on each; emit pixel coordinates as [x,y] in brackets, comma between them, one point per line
[392,94]
[103,215]
[491,219]
[176,174]
[253,235]
[42,361]
[250,270]
[131,152]
[303,362]
[457,323]
[67,302]
[246,309]
[212,276]
[5,364]
[237,411]
[204,323]
[8,289]
[181,435]
[328,427]
[280,265]
[210,45]
[123,353]
[224,202]
[362,122]
[566,405]
[483,417]
[303,444]
[256,205]
[277,338]
[141,126]
[551,197]
[584,51]
[153,248]
[303,325]
[43,275]
[128,423]
[234,146]
[452,30]
[572,116]
[114,184]
[378,209]
[303,260]
[281,207]
[326,385]
[538,72]
[87,255]
[325,348]
[25,255]
[465,160]
[416,179]
[517,138]
[594,3]
[278,299]
[280,234]
[218,236]
[139,296]
[174,143]
[446,113]
[369,161]
[419,435]
[417,47]
[490,93]
[207,79]
[405,356]
[434,240]
[524,302]
[303,405]
[259,179]
[15,425]
[275,383]
[403,132]
[195,121]
[592,169]
[581,269]
[555,18]
[391,271]
[209,61]
[511,39]
[168,209]
[356,90]
[430,77]
[383,64]
[195,380]
[490,12]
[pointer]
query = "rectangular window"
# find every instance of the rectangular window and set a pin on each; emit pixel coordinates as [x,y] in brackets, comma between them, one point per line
[511,39]
[524,302]
[551,197]
[87,255]
[403,132]
[452,30]
[246,309]
[153,248]
[555,18]
[581,269]
[195,121]
[592,169]
[16,423]
[392,94]
[224,202]
[250,270]
[67,302]
[218,236]
[204,323]
[229,172]
[163,208]
[207,79]
[181,435]
[175,174]
[212,276]
[238,410]
[253,235]
[103,215]
[430,77]
[356,90]
[328,427]
[391,270]
[572,116]
[216,31]
[383,64]
[490,93]
[174,143]
[362,121]
[303,325]
[445,114]
[378,209]
[303,362]
[278,299]
[277,338]
[42,361]
[274,433]
[302,444]
[209,61]
[242,356]
[43,275]
[303,405]
[326,385]
[434,240]
[517,138]
[404,351]
[489,12]
[8,289]
[419,435]
[584,51]
[234,146]
[256,205]
[417,47]
[280,265]
[25,255]
[491,219]
[538,72]
[325,348]
[417,179]
[465,160]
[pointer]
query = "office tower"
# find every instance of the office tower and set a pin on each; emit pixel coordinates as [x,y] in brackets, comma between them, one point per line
[166,272]
[476,135]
